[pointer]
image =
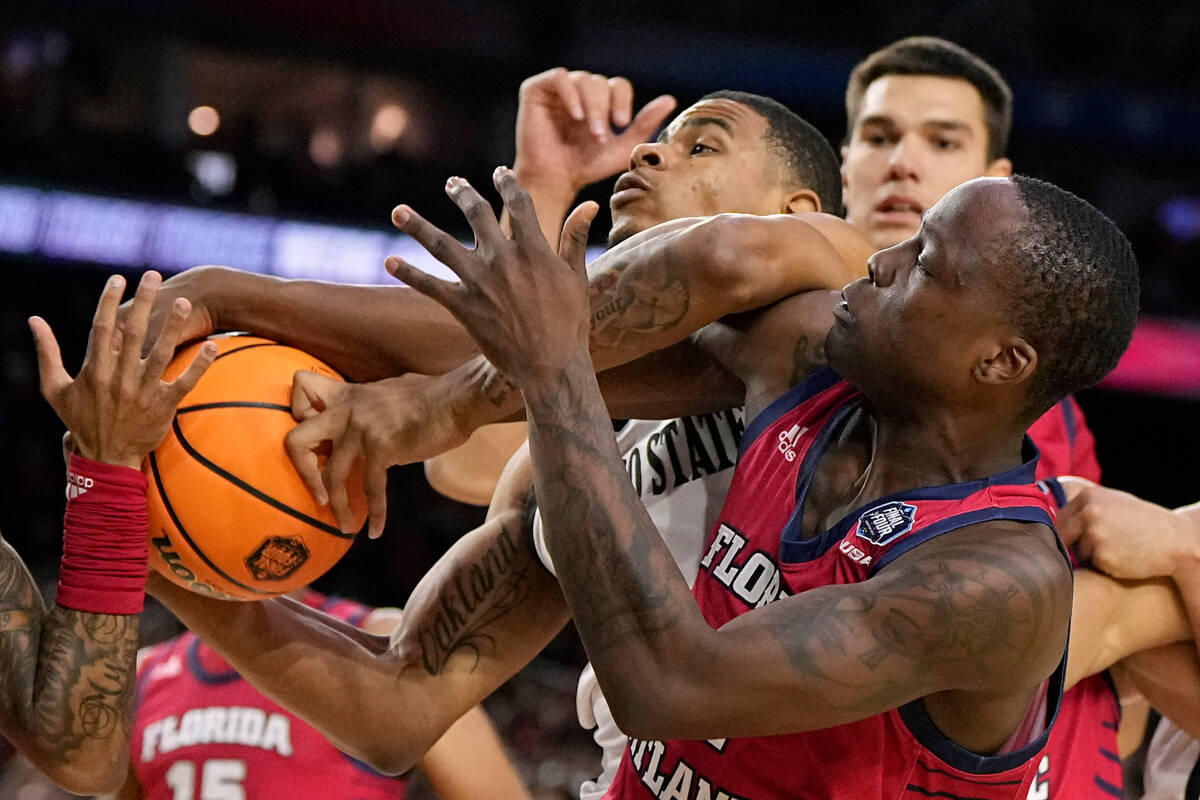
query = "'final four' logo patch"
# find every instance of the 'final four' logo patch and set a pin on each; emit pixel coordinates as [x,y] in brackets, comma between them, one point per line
[883,523]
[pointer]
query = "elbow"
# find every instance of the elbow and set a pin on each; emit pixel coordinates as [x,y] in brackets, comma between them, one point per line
[96,777]
[654,710]
[386,760]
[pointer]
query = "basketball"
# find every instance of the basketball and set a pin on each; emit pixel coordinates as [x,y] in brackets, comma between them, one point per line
[229,515]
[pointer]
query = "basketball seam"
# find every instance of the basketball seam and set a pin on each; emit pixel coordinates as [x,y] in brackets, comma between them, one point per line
[248,347]
[246,487]
[162,493]
[233,404]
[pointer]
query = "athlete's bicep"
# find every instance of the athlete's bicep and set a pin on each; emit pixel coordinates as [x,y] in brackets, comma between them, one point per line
[982,611]
[1169,677]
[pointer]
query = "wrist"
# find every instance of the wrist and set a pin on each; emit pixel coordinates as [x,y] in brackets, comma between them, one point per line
[1187,542]
[548,383]
[548,188]
[105,547]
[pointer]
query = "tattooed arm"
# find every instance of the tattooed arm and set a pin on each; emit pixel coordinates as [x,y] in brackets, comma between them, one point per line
[660,286]
[67,683]
[483,611]
[650,292]
[68,673]
[972,621]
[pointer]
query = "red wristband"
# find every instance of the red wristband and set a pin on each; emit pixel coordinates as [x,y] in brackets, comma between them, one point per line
[105,554]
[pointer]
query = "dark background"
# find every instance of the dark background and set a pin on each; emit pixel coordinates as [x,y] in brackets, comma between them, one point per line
[94,97]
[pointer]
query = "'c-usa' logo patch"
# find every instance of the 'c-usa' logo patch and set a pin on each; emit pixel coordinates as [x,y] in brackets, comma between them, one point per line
[884,523]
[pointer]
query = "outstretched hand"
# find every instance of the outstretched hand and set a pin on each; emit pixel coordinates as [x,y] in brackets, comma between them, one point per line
[118,408]
[525,305]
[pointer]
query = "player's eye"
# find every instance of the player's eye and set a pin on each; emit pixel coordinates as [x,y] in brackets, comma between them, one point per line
[942,143]
[699,148]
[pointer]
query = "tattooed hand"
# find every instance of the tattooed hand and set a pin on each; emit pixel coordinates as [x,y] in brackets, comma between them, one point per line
[525,305]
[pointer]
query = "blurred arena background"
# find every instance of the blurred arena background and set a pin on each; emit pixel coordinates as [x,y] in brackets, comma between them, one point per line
[276,136]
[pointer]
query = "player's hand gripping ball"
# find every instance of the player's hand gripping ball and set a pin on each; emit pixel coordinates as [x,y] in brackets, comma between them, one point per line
[229,515]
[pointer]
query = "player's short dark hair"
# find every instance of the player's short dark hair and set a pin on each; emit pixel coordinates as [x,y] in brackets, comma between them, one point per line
[929,55]
[1074,290]
[808,158]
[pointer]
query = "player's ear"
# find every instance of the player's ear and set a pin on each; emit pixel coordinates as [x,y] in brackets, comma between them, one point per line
[803,200]
[1010,361]
[1000,168]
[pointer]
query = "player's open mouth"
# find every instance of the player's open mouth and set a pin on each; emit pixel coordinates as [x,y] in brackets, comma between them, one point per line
[898,208]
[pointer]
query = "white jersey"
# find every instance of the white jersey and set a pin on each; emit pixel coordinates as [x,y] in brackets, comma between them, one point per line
[682,469]
[1172,763]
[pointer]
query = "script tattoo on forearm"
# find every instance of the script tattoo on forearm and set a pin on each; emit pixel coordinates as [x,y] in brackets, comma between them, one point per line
[66,677]
[476,595]
[972,608]
[630,301]
[85,678]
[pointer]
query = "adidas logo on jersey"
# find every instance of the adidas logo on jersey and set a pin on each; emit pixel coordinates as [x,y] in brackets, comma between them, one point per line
[77,485]
[788,439]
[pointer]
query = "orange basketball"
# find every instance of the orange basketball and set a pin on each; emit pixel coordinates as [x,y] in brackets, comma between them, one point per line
[229,515]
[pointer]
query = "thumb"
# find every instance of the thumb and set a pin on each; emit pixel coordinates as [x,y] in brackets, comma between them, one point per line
[650,118]
[52,376]
[572,243]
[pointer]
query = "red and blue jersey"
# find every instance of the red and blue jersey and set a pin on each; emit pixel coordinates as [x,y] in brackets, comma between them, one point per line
[757,554]
[1065,443]
[1081,759]
[200,730]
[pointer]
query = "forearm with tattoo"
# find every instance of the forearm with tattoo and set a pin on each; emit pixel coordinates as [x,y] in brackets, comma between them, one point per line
[67,675]
[966,614]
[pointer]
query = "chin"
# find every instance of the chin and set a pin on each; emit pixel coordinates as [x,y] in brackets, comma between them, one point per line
[621,231]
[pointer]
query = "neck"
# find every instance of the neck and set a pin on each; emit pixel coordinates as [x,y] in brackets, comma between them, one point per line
[938,447]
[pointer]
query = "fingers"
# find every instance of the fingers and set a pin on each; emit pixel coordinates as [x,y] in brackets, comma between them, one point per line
[133,332]
[437,289]
[521,214]
[51,375]
[595,95]
[1073,485]
[620,100]
[163,349]
[1071,523]
[337,472]
[441,245]
[191,376]
[477,211]
[375,487]
[104,324]
[572,243]
[649,119]
[313,393]
[301,443]
[567,93]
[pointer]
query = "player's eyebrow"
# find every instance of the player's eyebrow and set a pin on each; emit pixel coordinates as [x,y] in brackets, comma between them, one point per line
[696,122]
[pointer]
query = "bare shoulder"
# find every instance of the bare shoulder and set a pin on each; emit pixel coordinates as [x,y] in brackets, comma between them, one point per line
[774,348]
[999,597]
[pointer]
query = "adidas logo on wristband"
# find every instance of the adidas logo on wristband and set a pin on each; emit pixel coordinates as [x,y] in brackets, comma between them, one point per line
[78,485]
